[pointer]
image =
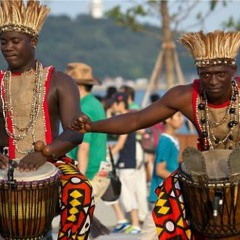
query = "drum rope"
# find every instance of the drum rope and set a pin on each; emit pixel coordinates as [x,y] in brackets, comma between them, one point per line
[10,201]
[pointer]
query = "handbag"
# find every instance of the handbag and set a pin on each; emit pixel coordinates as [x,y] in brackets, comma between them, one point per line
[114,189]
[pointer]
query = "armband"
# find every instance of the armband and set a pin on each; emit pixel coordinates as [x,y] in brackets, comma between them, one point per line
[40,146]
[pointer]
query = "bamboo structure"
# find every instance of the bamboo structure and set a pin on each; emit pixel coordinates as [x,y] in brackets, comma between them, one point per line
[167,59]
[153,84]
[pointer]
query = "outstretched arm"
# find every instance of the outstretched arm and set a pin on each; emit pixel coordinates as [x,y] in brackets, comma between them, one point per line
[123,123]
[176,99]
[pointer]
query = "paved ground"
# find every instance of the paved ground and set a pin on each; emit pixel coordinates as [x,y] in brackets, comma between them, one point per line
[119,236]
[114,236]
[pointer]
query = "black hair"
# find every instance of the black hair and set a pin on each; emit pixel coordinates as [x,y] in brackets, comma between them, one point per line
[129,90]
[110,91]
[88,88]
[154,97]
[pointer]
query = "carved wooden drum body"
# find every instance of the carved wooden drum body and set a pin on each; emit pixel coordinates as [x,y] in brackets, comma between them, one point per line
[210,184]
[28,205]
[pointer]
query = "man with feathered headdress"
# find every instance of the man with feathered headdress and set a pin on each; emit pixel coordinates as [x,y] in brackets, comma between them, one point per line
[211,103]
[34,100]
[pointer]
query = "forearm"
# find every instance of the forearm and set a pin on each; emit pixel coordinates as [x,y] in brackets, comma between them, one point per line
[164,174]
[42,152]
[82,157]
[121,124]
[119,144]
[82,166]
[161,170]
[115,149]
[65,142]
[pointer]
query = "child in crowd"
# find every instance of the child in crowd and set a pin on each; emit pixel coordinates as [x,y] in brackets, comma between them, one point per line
[166,162]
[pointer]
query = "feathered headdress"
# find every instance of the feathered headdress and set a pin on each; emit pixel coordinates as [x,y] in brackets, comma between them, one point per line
[213,48]
[16,16]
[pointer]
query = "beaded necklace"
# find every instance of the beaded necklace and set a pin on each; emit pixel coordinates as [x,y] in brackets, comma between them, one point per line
[8,109]
[207,125]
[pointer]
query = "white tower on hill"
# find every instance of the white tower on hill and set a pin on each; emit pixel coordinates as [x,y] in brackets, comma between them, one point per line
[96,9]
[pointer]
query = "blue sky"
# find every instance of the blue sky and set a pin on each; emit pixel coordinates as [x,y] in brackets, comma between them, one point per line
[75,7]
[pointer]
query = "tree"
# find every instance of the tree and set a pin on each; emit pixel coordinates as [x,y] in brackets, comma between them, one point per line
[167,58]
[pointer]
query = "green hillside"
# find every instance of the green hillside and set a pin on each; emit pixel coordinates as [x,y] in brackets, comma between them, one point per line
[112,50]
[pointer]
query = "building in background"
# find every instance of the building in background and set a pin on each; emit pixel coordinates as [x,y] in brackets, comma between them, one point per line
[96,9]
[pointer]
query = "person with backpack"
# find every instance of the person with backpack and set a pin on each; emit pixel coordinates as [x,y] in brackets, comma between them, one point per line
[149,141]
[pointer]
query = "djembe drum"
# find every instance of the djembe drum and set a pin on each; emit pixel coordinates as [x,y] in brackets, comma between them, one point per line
[28,202]
[210,185]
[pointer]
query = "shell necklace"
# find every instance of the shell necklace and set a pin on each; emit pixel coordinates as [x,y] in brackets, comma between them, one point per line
[8,109]
[210,139]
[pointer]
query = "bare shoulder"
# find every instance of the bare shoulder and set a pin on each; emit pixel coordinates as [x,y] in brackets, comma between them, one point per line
[63,96]
[61,79]
[64,87]
[179,91]
[179,98]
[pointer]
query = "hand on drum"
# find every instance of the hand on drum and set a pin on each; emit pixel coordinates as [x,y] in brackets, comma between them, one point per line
[3,161]
[32,162]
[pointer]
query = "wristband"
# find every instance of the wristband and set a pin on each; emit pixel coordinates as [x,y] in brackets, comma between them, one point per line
[48,153]
[40,146]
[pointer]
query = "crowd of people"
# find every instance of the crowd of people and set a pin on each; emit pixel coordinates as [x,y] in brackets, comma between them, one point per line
[131,161]
[135,165]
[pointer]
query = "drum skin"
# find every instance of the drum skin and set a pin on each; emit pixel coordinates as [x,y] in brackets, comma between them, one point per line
[199,202]
[28,207]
